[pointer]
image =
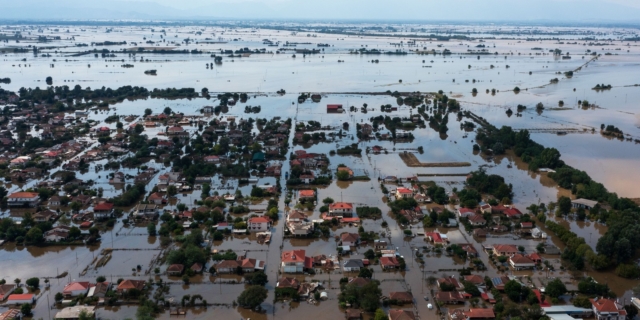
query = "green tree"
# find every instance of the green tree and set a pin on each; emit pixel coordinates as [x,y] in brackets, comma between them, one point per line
[365,273]
[380,315]
[513,289]
[74,232]
[151,229]
[26,309]
[555,288]
[564,205]
[252,297]
[34,235]
[167,111]
[34,283]
[343,175]
[101,279]
[148,112]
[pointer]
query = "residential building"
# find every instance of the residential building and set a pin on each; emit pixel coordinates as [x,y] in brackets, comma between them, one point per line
[505,249]
[127,285]
[518,261]
[73,313]
[608,309]
[99,290]
[295,261]
[6,290]
[20,299]
[156,198]
[401,315]
[353,265]
[149,211]
[477,220]
[334,108]
[23,199]
[341,209]
[465,212]
[103,210]
[11,314]
[306,195]
[389,263]
[349,239]
[450,281]
[75,289]
[401,297]
[175,270]
[258,224]
[403,193]
[583,203]
[449,297]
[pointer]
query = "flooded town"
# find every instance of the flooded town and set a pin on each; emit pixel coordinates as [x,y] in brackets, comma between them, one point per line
[346,170]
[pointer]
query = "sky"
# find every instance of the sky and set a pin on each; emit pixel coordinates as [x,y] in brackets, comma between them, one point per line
[572,11]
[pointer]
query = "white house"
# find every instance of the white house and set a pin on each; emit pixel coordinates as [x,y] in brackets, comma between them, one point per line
[353,265]
[295,261]
[518,261]
[465,212]
[20,299]
[75,289]
[403,193]
[20,199]
[608,309]
[258,224]
[349,239]
[341,209]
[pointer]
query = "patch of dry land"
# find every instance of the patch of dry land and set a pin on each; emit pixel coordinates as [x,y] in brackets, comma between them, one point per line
[411,161]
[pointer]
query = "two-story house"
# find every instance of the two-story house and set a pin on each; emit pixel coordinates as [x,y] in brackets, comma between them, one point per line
[295,261]
[258,224]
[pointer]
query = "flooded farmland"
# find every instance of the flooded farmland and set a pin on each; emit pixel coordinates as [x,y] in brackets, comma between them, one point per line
[272,68]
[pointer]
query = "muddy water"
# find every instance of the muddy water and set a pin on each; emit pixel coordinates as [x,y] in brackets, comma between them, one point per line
[611,162]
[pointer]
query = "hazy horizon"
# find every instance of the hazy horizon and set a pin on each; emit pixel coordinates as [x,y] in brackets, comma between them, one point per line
[559,11]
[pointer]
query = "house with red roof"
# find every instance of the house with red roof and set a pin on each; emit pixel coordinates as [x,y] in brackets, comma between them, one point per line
[608,309]
[75,289]
[341,209]
[388,263]
[401,315]
[449,297]
[403,193]
[103,210]
[156,198]
[465,212]
[349,239]
[334,108]
[450,281]
[295,261]
[127,285]
[534,257]
[518,262]
[306,195]
[23,199]
[505,249]
[477,220]
[258,224]
[479,313]
[513,213]
[435,237]
[6,290]
[20,299]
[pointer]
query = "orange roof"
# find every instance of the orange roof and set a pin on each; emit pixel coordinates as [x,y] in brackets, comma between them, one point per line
[131,284]
[74,286]
[306,193]
[401,315]
[103,206]
[293,256]
[25,296]
[340,205]
[518,258]
[23,195]
[601,304]
[404,190]
[479,313]
[259,220]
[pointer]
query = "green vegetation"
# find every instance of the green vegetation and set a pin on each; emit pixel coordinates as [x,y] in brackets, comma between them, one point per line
[366,297]
[369,212]
[252,297]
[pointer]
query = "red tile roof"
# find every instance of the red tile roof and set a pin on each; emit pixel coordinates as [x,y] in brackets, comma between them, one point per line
[338,205]
[479,313]
[25,296]
[24,195]
[293,256]
[601,304]
[103,206]
[306,193]
[259,220]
